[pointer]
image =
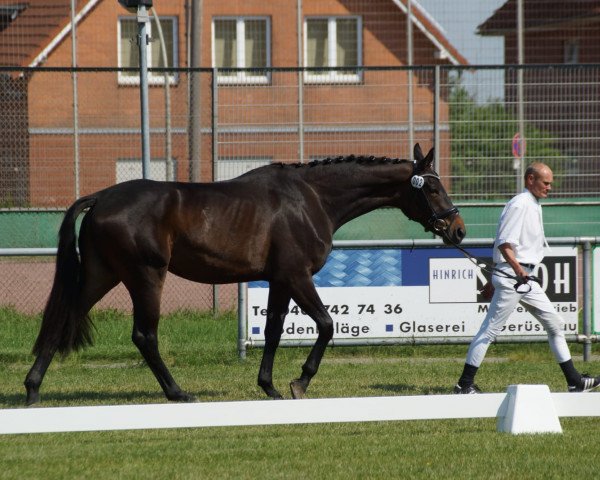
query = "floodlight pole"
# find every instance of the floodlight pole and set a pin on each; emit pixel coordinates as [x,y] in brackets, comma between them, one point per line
[143,20]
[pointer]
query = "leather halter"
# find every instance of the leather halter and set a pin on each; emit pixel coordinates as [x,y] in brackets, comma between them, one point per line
[437,220]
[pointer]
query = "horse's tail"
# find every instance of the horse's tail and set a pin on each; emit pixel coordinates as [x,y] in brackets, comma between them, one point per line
[64,326]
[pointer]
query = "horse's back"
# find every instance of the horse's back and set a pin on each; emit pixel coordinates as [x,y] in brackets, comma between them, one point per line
[217,232]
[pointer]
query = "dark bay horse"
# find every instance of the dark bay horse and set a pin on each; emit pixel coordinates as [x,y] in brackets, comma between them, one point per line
[274,223]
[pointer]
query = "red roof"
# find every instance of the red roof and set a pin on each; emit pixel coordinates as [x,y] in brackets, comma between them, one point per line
[541,15]
[33,25]
[432,30]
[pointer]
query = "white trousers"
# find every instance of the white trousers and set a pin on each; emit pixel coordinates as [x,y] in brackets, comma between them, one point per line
[503,304]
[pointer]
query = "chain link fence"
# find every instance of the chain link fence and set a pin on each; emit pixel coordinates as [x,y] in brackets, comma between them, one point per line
[49,155]
[48,159]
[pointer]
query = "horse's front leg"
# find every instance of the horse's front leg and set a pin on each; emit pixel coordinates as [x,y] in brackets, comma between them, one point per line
[307,298]
[146,314]
[279,300]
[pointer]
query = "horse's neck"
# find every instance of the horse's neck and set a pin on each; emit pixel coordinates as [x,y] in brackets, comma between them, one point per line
[347,193]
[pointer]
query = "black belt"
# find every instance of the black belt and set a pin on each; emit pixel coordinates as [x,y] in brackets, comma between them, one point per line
[530,266]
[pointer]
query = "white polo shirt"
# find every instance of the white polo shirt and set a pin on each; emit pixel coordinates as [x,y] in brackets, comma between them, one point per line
[522,226]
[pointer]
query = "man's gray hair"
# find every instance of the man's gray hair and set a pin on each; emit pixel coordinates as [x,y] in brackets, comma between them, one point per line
[533,169]
[530,170]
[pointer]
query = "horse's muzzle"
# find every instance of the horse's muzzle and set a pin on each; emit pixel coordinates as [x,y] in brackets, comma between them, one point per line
[454,230]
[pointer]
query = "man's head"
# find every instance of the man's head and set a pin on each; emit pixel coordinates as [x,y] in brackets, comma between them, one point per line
[538,179]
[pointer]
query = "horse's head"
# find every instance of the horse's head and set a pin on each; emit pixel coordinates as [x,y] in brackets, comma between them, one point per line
[429,203]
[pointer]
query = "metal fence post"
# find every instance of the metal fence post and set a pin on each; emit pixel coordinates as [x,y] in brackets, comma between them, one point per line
[195,90]
[520,170]
[75,100]
[214,120]
[242,319]
[300,84]
[215,155]
[436,117]
[409,55]
[587,300]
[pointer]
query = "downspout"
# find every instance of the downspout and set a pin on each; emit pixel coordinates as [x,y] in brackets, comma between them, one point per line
[168,141]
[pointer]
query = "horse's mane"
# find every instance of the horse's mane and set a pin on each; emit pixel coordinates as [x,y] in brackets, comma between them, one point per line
[361,159]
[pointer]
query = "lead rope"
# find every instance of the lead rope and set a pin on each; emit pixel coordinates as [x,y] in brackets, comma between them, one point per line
[489,268]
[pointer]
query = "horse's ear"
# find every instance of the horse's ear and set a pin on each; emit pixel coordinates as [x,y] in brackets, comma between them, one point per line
[417,153]
[428,161]
[423,163]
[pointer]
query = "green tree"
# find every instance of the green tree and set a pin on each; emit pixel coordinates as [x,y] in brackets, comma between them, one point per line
[481,147]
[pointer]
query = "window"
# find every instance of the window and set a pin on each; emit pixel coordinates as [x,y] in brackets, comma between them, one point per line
[571,49]
[231,167]
[332,42]
[129,50]
[241,42]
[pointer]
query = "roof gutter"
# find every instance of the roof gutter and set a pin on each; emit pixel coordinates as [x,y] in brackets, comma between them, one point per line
[540,27]
[43,55]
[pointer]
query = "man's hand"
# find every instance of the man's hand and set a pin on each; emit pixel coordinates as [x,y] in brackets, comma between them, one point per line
[523,279]
[509,255]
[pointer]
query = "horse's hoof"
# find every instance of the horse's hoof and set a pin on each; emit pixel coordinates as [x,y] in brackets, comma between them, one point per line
[32,398]
[182,397]
[298,391]
[271,391]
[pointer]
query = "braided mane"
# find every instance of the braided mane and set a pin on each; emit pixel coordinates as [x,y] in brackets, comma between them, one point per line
[361,159]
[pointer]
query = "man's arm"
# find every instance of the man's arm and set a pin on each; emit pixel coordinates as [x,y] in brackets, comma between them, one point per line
[509,255]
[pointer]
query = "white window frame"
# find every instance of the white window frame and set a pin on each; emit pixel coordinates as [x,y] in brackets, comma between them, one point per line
[244,77]
[333,76]
[154,78]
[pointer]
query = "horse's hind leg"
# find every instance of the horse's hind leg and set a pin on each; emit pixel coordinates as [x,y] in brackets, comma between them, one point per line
[96,282]
[279,300]
[34,377]
[146,314]
[307,298]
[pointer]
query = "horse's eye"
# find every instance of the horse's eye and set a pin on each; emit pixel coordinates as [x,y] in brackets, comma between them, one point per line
[433,188]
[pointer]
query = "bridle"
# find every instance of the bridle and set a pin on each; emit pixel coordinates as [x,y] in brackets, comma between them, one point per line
[437,220]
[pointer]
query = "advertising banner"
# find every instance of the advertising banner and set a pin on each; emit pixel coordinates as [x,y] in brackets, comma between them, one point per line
[418,293]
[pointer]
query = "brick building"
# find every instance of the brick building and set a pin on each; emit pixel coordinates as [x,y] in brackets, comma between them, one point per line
[262,115]
[556,100]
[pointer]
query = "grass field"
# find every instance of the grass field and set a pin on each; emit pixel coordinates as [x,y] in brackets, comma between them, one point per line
[201,353]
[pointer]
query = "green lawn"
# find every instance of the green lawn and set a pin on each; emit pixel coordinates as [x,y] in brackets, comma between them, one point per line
[201,353]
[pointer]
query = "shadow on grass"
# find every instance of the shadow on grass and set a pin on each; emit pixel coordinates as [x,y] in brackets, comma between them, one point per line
[403,388]
[75,398]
